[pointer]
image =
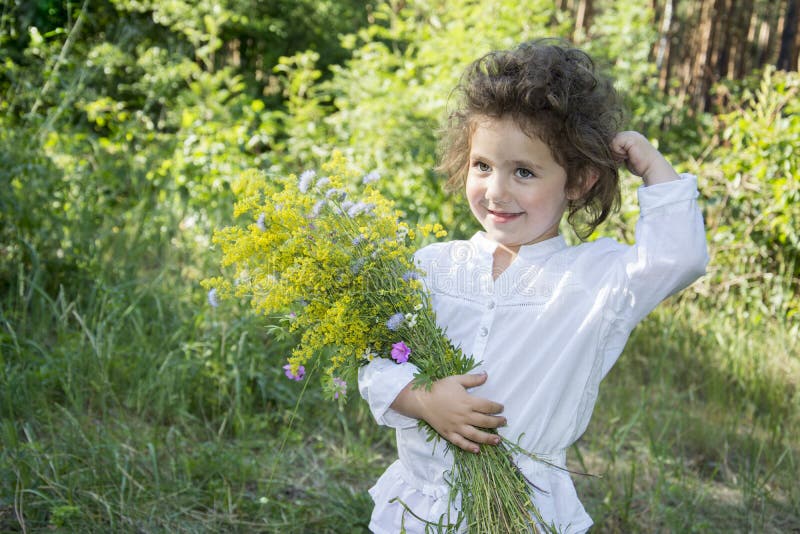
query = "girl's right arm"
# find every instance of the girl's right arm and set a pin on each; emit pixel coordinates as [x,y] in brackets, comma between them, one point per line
[455,414]
[447,406]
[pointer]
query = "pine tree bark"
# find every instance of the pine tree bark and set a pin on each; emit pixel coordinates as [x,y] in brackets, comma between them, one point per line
[787,57]
[583,17]
[699,82]
[663,49]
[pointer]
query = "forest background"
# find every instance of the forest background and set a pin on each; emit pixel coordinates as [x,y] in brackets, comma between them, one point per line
[128,404]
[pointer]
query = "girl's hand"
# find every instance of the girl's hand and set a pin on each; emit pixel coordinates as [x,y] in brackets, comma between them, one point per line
[642,158]
[455,414]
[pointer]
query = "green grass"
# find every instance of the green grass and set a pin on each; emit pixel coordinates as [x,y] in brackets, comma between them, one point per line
[687,442]
[136,408]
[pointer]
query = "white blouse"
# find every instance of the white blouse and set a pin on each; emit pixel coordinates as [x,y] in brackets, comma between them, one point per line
[546,331]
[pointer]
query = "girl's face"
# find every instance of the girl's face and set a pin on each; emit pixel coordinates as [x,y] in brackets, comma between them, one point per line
[515,187]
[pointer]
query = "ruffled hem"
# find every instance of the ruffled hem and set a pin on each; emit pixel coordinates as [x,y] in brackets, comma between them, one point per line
[398,497]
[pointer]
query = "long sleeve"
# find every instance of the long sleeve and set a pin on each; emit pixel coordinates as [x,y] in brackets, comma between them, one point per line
[379,383]
[669,254]
[670,251]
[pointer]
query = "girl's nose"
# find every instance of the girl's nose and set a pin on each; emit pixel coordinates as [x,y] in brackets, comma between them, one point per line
[496,189]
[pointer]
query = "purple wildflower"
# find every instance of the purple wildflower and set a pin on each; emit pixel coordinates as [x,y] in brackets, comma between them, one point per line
[305,180]
[301,372]
[340,387]
[260,222]
[373,176]
[323,182]
[395,321]
[213,298]
[355,268]
[358,240]
[410,275]
[400,352]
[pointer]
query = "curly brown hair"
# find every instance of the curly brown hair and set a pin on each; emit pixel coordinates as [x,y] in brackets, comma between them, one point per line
[552,91]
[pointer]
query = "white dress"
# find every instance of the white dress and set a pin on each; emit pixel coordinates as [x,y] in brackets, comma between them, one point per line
[546,331]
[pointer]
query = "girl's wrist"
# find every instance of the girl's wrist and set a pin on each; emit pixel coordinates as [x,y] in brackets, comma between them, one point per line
[660,173]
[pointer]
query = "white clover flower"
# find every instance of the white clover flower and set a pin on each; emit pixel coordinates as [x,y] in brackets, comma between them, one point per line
[336,194]
[305,180]
[411,320]
[360,207]
[315,211]
[373,176]
[213,297]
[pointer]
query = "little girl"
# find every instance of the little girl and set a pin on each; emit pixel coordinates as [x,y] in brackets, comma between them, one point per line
[534,137]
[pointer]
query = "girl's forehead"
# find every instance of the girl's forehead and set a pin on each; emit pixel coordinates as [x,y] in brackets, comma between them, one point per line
[489,123]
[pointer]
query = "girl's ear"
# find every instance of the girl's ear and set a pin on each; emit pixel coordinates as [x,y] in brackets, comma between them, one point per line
[580,189]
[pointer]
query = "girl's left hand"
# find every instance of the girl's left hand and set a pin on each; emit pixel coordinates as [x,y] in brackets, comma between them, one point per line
[642,158]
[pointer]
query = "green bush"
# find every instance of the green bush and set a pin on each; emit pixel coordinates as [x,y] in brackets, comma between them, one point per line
[751,173]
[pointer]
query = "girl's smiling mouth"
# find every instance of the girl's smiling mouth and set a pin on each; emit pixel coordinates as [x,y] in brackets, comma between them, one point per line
[502,216]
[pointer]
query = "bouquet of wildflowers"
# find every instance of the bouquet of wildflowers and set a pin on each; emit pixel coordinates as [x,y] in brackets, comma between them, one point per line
[339,265]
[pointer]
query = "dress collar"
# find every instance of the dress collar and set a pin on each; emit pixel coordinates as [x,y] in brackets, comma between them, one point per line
[527,252]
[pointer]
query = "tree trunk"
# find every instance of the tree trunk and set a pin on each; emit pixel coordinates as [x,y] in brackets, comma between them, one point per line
[582,19]
[724,47]
[787,57]
[688,37]
[663,46]
[705,32]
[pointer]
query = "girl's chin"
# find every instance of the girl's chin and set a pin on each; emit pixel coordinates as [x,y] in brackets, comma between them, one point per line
[515,242]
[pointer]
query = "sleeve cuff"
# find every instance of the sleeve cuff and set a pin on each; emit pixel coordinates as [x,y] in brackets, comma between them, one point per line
[663,194]
[379,383]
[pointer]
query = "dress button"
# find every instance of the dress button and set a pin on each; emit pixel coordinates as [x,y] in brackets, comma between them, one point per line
[484,331]
[490,305]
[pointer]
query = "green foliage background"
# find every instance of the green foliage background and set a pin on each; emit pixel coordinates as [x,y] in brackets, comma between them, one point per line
[127,404]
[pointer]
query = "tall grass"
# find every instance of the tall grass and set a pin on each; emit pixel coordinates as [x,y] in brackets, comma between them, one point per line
[135,408]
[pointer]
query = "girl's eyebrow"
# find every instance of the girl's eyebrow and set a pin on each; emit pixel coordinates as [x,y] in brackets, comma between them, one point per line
[516,162]
[476,155]
[527,164]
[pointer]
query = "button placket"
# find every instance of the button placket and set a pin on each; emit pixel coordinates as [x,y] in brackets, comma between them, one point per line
[484,328]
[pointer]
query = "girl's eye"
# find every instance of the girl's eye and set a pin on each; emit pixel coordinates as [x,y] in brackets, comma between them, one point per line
[483,167]
[524,173]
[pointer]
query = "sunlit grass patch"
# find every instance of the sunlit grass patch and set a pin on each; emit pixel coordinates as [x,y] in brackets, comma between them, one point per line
[688,442]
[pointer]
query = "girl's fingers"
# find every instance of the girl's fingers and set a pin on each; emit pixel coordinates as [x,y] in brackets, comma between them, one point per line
[463,443]
[471,380]
[486,406]
[478,436]
[488,421]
